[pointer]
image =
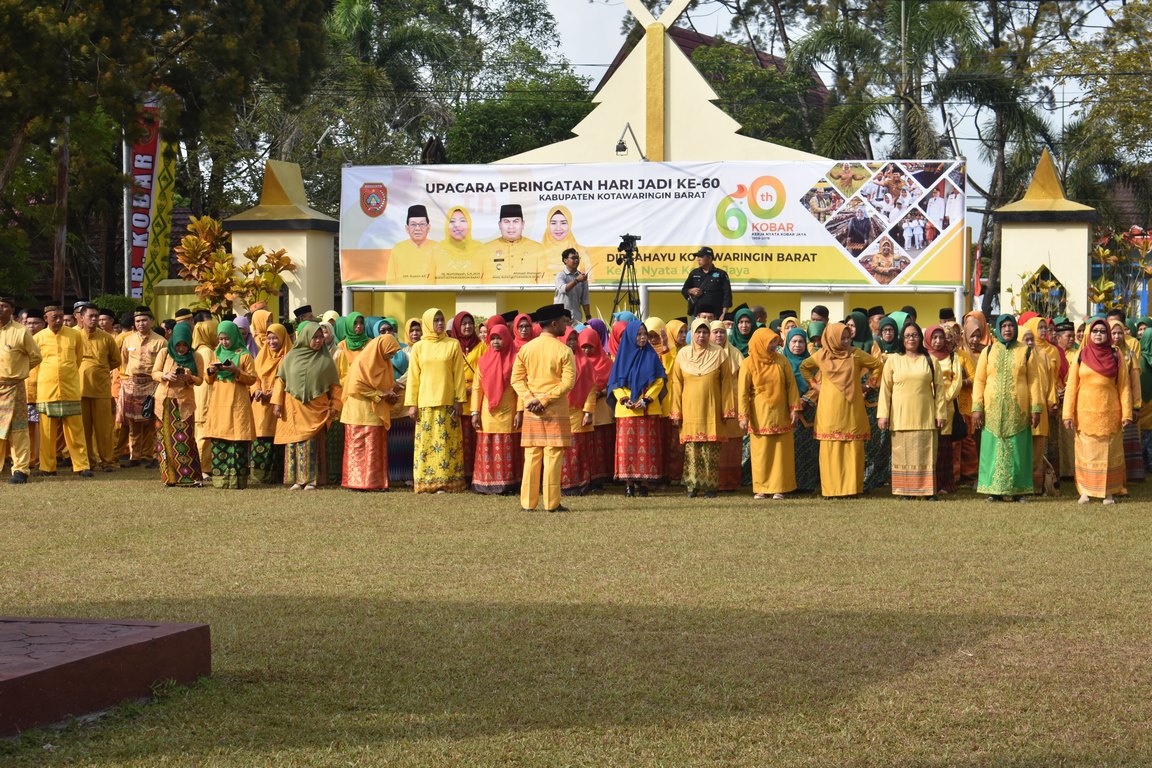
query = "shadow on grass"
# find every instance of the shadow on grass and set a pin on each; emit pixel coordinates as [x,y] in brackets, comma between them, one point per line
[300,672]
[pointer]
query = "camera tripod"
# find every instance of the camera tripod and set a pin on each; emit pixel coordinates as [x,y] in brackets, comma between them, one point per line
[627,288]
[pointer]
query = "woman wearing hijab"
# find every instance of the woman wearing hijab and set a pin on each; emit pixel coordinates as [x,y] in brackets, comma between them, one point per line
[912,407]
[402,434]
[807,452]
[267,456]
[352,337]
[857,322]
[816,330]
[952,374]
[1033,333]
[523,330]
[305,399]
[638,384]
[676,332]
[245,326]
[841,421]
[367,414]
[1007,401]
[261,320]
[1130,360]
[1097,405]
[435,396]
[576,472]
[659,342]
[558,238]
[732,449]
[229,424]
[463,330]
[702,398]
[458,257]
[603,426]
[769,405]
[613,348]
[204,340]
[601,329]
[887,339]
[496,417]
[974,337]
[177,370]
[743,326]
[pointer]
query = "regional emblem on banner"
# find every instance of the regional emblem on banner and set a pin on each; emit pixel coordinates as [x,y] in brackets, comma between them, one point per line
[373,199]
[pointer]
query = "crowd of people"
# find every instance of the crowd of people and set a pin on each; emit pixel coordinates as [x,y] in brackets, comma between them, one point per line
[543,406]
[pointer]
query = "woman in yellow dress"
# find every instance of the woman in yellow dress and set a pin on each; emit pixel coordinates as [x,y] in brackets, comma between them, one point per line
[841,421]
[435,397]
[769,405]
[267,456]
[732,449]
[177,371]
[367,414]
[204,340]
[638,383]
[230,425]
[1098,405]
[305,399]
[912,405]
[496,417]
[1047,368]
[351,338]
[702,399]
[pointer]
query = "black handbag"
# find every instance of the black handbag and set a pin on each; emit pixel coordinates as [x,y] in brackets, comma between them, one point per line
[959,426]
[148,407]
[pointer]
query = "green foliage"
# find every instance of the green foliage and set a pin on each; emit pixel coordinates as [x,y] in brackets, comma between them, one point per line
[117,304]
[769,104]
[1124,261]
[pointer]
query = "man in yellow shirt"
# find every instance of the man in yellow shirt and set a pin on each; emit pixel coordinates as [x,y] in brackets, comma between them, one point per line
[101,357]
[58,393]
[542,376]
[138,351]
[18,356]
[512,258]
[413,261]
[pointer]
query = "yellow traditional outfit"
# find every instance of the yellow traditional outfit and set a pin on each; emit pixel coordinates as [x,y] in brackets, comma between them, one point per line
[101,357]
[544,371]
[1048,369]
[913,400]
[495,406]
[552,247]
[702,398]
[176,407]
[367,414]
[1097,401]
[230,424]
[459,259]
[511,261]
[411,263]
[732,449]
[58,397]
[435,388]
[769,401]
[19,355]
[204,340]
[307,389]
[138,354]
[841,421]
[267,456]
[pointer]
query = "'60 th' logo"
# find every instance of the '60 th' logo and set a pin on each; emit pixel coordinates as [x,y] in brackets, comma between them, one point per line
[765,198]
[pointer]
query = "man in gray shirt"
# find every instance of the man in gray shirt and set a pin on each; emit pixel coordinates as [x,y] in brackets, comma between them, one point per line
[572,286]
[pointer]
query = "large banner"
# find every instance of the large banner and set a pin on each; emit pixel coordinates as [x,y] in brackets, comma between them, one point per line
[849,223]
[152,165]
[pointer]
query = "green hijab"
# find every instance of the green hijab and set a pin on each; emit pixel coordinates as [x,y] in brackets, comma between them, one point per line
[183,333]
[344,325]
[1146,364]
[307,373]
[737,339]
[816,331]
[862,339]
[996,330]
[238,349]
[889,347]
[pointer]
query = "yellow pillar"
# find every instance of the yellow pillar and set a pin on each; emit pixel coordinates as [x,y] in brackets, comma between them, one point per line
[655,38]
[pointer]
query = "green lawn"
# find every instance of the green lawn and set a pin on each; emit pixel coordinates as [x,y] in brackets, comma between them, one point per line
[387,629]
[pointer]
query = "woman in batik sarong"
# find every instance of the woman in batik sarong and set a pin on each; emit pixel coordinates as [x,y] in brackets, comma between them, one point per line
[1097,406]
[496,418]
[702,400]
[638,385]
[229,424]
[306,399]
[177,371]
[366,415]
[267,456]
[913,401]
[435,396]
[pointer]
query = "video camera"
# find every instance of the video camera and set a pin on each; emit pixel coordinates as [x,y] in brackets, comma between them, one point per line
[627,249]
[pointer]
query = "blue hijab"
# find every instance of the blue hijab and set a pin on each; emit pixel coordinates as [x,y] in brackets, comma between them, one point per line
[635,367]
[796,360]
[624,315]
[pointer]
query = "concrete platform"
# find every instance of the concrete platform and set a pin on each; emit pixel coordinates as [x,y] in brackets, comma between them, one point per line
[54,669]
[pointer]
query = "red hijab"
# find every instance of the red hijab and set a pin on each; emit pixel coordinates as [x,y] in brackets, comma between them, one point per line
[585,376]
[496,367]
[469,343]
[1100,357]
[601,365]
[516,340]
[614,338]
[938,354]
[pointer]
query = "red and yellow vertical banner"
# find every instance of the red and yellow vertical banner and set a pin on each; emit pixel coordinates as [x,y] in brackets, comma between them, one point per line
[151,164]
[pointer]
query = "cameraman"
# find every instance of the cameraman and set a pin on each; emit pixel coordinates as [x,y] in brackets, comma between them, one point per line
[572,286]
[707,285]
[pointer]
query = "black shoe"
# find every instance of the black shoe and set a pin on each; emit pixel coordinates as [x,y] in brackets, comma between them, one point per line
[108,468]
[85,473]
[690,494]
[643,491]
[628,492]
[129,463]
[152,465]
[42,473]
[560,508]
[18,478]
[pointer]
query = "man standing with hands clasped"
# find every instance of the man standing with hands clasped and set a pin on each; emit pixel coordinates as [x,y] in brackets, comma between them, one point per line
[542,375]
[572,286]
[707,288]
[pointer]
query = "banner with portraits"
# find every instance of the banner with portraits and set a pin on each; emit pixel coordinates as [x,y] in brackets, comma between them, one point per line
[851,223]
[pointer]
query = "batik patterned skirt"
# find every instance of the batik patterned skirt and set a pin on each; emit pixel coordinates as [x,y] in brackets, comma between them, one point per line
[914,462]
[1133,454]
[231,464]
[306,462]
[439,451]
[640,442]
[1100,465]
[267,461]
[365,458]
[576,473]
[179,460]
[702,466]
[499,463]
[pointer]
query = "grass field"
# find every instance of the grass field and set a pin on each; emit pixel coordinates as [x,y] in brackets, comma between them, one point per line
[387,629]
